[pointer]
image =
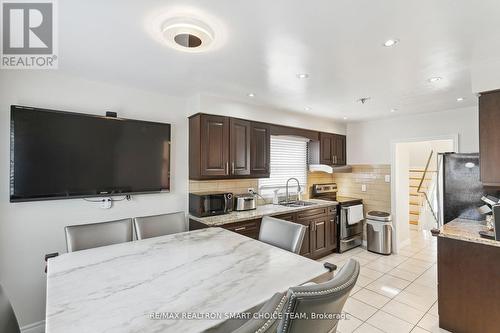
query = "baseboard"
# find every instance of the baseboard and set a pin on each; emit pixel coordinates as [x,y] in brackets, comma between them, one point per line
[38,327]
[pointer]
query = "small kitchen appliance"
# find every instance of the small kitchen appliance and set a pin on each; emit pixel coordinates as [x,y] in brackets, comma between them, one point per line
[210,203]
[244,202]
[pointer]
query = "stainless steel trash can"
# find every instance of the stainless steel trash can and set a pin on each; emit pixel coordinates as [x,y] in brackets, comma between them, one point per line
[379,232]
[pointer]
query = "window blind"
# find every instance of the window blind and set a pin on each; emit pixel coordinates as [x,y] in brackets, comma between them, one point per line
[288,159]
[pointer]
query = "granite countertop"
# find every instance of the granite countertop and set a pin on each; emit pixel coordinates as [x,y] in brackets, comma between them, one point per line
[466,230]
[263,210]
[118,288]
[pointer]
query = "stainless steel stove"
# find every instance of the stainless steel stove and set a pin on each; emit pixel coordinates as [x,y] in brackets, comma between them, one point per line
[348,235]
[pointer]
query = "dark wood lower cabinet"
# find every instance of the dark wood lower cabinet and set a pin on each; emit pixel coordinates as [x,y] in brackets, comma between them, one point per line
[468,286]
[320,238]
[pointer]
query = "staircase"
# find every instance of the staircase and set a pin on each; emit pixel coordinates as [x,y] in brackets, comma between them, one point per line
[417,199]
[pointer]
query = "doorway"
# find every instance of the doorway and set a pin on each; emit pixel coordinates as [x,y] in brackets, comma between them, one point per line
[414,174]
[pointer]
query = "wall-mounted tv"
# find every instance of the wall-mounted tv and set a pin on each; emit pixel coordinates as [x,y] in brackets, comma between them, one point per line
[57,155]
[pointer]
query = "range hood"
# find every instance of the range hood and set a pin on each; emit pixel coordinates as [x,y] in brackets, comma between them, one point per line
[313,160]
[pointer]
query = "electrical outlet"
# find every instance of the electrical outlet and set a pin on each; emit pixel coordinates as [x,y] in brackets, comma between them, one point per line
[106,203]
[387,178]
[251,190]
[363,188]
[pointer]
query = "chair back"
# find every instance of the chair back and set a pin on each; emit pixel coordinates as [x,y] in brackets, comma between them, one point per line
[283,234]
[328,297]
[160,225]
[87,236]
[8,320]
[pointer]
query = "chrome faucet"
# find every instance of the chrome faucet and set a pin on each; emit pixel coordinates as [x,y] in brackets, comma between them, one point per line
[298,187]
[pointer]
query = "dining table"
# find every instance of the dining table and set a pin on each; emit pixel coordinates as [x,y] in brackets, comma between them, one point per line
[195,281]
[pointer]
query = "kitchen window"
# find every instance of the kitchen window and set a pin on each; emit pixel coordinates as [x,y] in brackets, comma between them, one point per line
[288,159]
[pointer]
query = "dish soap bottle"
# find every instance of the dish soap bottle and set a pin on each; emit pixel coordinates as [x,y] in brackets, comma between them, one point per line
[275,197]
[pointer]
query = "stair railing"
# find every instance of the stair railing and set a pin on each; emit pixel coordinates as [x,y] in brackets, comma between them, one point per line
[425,193]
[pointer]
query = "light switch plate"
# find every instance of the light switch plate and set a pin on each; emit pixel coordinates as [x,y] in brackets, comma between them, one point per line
[387,178]
[363,188]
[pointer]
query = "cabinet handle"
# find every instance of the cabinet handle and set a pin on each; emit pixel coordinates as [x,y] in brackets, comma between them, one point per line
[313,226]
[240,229]
[232,168]
[226,171]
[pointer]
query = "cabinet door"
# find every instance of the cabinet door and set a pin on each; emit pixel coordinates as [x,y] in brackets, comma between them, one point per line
[260,147]
[214,146]
[339,149]
[240,147]
[321,235]
[489,138]
[326,148]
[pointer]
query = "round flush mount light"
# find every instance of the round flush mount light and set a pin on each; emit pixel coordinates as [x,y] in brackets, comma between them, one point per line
[460,99]
[345,118]
[391,42]
[393,110]
[251,95]
[435,79]
[302,75]
[307,108]
[187,34]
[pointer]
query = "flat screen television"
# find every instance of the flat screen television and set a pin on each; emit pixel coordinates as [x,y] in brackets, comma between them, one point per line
[57,155]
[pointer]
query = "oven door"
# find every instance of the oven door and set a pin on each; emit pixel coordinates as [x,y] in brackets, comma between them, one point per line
[348,230]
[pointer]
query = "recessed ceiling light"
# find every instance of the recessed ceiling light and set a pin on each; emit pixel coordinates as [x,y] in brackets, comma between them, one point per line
[251,95]
[391,42]
[460,99]
[435,79]
[302,75]
[345,118]
[308,108]
[394,110]
[187,34]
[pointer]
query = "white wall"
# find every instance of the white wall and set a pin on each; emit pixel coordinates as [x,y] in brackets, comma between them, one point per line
[400,195]
[370,142]
[226,107]
[30,230]
[419,152]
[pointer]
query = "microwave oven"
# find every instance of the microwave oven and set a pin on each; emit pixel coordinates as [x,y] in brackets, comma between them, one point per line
[210,203]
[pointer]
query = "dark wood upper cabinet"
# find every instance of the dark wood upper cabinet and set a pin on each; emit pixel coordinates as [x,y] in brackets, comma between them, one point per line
[208,147]
[332,149]
[339,149]
[489,138]
[239,147]
[224,147]
[326,148]
[260,152]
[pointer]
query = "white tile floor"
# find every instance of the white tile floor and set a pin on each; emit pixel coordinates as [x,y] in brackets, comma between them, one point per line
[396,293]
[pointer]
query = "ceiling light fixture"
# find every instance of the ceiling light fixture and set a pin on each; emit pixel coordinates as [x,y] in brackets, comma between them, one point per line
[364,100]
[435,79]
[307,108]
[187,34]
[345,118]
[302,75]
[460,99]
[394,110]
[251,95]
[391,42]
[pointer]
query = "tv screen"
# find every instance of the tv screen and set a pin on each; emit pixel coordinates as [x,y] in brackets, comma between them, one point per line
[55,155]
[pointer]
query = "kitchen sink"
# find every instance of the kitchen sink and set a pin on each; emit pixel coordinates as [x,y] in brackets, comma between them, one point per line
[297,203]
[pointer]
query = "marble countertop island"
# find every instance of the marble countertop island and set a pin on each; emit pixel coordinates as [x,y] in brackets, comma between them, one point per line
[263,210]
[122,288]
[466,230]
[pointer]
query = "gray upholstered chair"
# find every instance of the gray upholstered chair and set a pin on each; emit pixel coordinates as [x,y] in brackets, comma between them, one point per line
[328,297]
[265,323]
[283,234]
[8,320]
[87,236]
[159,225]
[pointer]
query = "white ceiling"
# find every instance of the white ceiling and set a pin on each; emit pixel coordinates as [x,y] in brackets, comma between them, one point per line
[263,44]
